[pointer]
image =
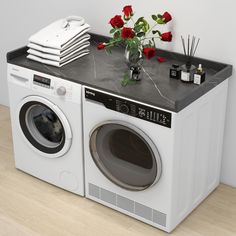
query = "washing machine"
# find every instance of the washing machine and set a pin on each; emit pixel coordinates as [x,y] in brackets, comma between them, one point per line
[150,163]
[46,117]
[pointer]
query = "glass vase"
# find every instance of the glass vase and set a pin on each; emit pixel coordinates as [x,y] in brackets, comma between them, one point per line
[134,60]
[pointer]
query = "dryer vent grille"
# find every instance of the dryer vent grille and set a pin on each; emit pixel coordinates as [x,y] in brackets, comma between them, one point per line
[128,205]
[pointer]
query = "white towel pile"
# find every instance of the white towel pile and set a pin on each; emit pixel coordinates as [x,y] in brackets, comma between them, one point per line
[61,42]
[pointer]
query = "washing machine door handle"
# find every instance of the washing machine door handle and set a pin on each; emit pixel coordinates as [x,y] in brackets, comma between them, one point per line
[64,121]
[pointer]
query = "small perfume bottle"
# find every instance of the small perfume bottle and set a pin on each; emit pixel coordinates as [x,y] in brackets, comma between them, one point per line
[199,75]
[175,71]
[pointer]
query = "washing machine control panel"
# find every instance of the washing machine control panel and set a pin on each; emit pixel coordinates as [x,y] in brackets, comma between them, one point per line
[41,81]
[130,108]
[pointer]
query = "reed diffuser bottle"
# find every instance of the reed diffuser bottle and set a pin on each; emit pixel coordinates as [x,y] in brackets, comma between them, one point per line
[188,69]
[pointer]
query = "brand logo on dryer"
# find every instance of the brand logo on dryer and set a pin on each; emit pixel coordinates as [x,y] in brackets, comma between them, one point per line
[90,93]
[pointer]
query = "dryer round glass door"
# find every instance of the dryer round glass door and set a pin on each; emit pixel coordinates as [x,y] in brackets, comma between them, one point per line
[125,155]
[44,126]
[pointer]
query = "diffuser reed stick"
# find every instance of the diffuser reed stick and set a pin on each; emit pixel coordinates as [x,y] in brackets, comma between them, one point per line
[189,49]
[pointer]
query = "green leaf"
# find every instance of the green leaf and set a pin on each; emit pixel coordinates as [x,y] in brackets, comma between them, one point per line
[132,81]
[146,27]
[154,17]
[156,31]
[151,44]
[108,50]
[112,31]
[124,83]
[159,16]
[139,20]
[141,23]
[114,41]
[140,34]
[160,21]
[116,34]
[153,40]
[126,80]
[137,28]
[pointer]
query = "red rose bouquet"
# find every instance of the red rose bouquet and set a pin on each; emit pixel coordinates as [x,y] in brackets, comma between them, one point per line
[138,36]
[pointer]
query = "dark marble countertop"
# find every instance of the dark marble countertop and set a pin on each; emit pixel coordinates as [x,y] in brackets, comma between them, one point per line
[103,71]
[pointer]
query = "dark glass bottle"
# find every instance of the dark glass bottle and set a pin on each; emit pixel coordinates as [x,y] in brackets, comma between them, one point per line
[175,71]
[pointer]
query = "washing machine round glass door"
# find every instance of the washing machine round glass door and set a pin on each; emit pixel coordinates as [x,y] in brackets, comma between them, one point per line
[44,126]
[125,155]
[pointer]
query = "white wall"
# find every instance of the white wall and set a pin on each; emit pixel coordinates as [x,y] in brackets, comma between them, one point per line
[212,21]
[20,19]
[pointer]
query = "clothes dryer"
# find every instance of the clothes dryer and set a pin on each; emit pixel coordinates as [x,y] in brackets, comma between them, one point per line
[152,164]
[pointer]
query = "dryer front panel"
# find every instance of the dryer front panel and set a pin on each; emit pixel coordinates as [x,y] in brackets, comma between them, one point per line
[44,126]
[125,155]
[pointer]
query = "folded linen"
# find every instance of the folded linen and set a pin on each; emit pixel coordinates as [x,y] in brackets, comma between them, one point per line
[57,36]
[61,42]
[79,41]
[61,63]
[68,53]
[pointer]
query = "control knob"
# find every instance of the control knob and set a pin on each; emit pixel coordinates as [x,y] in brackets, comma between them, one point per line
[124,108]
[141,113]
[61,91]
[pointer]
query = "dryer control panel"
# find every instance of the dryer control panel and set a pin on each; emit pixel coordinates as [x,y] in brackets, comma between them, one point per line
[131,108]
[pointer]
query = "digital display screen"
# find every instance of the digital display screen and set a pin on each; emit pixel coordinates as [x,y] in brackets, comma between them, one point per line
[42,80]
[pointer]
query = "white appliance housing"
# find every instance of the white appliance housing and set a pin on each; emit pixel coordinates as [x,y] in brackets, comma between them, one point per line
[46,117]
[190,154]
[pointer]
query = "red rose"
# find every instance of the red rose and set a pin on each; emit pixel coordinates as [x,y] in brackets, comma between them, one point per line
[166,17]
[161,59]
[101,46]
[127,33]
[117,22]
[166,36]
[149,52]
[128,11]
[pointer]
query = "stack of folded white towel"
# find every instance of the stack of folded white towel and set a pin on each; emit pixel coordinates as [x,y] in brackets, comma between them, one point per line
[61,42]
